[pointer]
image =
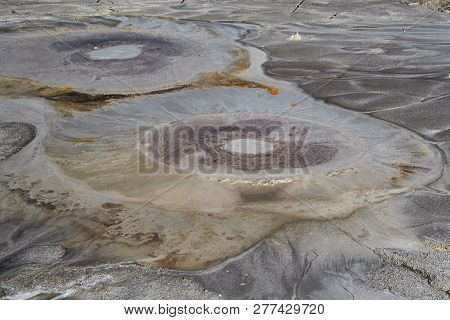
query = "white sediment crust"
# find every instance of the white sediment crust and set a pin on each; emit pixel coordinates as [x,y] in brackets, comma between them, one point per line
[120,52]
[248,146]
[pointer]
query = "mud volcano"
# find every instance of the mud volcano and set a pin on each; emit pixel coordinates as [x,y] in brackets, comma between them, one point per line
[119,52]
[137,57]
[223,143]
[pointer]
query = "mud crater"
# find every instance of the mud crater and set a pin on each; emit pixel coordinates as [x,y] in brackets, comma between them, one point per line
[123,50]
[257,143]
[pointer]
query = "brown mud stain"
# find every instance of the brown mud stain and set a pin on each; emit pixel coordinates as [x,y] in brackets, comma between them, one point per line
[109,205]
[242,62]
[65,99]
[404,171]
[176,261]
[172,261]
[220,79]
[26,196]
[417,151]
[252,194]
[152,238]
[106,221]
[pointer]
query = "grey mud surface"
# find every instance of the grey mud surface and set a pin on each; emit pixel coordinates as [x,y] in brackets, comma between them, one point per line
[385,59]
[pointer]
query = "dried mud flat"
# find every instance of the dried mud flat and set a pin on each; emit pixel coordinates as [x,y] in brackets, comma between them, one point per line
[361,212]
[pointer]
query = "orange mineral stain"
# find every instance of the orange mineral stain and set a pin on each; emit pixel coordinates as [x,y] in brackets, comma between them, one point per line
[80,140]
[273,91]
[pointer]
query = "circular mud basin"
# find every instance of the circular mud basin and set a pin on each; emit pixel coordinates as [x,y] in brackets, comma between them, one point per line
[144,56]
[236,144]
[122,52]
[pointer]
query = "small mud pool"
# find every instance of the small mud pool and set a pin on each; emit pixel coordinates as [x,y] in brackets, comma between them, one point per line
[115,52]
[248,146]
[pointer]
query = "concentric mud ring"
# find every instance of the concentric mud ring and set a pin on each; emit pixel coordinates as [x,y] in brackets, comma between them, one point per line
[142,53]
[228,143]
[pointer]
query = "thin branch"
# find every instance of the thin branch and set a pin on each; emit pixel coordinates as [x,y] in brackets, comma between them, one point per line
[298,6]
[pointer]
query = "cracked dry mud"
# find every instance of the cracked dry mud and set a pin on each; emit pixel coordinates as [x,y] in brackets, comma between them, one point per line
[358,210]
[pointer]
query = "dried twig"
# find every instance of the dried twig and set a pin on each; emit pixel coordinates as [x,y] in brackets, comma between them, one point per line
[298,6]
[334,15]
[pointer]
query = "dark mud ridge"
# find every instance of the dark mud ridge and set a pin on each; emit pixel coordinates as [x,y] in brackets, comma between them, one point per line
[14,136]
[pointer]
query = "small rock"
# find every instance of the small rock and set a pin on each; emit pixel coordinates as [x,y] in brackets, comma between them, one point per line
[295,37]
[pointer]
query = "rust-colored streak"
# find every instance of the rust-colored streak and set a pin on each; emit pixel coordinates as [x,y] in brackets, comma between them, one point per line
[219,79]
[80,140]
